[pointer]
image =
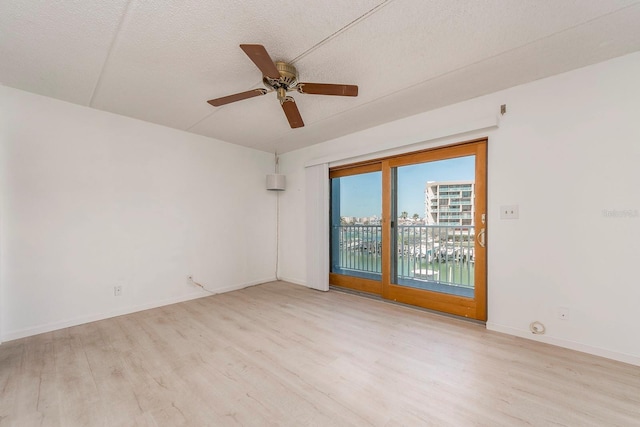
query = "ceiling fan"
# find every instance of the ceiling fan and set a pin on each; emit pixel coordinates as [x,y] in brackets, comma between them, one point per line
[282,77]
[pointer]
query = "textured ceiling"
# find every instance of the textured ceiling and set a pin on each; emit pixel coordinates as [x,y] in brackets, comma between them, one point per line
[160,61]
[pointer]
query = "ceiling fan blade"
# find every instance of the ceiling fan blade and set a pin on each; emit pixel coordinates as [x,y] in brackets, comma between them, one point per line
[328,89]
[258,54]
[293,114]
[237,97]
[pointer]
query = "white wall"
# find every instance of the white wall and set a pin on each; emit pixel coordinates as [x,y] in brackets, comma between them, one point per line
[90,200]
[567,149]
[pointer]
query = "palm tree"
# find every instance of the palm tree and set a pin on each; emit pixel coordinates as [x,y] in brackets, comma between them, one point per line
[404,214]
[416,217]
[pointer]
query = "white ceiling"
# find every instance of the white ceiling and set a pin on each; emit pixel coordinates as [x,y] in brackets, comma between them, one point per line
[161,60]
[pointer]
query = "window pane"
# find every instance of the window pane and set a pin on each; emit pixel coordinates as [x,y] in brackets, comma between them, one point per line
[356,232]
[435,237]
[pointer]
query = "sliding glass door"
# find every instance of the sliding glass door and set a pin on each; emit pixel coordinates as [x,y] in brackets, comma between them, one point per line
[427,246]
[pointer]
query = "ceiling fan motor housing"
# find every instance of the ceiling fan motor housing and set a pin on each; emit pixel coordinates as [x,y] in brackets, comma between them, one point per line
[288,77]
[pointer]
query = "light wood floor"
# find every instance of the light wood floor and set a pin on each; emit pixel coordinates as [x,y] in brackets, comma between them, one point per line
[280,354]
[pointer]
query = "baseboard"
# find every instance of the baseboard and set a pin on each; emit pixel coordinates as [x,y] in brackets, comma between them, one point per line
[54,326]
[572,345]
[243,285]
[294,281]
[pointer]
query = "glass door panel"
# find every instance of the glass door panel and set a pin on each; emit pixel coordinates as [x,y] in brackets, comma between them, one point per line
[356,228]
[434,238]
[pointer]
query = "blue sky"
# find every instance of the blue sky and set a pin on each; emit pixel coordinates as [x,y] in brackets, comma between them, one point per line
[361,194]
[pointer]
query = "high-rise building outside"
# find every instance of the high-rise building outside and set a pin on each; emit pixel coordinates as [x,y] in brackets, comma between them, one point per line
[449,203]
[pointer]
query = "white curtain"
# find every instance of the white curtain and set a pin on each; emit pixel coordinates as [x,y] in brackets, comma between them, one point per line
[317,226]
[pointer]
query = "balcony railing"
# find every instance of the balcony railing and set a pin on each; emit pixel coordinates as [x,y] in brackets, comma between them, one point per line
[441,254]
[359,247]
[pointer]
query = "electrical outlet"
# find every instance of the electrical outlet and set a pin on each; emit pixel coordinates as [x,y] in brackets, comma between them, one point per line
[117,291]
[509,212]
[563,313]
